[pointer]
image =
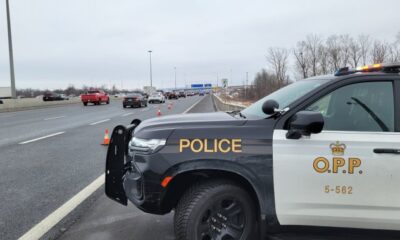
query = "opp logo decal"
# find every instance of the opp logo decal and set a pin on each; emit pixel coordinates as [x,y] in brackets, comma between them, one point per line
[337,164]
[211,145]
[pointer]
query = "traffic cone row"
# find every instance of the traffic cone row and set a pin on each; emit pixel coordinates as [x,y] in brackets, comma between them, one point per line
[106,140]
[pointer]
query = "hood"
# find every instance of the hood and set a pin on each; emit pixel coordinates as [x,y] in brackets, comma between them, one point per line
[162,127]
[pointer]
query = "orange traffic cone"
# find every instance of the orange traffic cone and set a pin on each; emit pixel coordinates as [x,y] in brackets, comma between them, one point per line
[159,112]
[169,106]
[106,140]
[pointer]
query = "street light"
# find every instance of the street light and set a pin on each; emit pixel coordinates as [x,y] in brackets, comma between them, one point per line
[151,74]
[175,76]
[10,50]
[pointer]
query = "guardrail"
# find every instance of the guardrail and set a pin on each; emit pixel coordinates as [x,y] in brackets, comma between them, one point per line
[222,105]
[10,105]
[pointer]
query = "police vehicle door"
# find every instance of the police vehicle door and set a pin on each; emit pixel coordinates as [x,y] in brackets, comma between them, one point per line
[347,175]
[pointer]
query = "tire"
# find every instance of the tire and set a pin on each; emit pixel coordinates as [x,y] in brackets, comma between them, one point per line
[85,104]
[124,106]
[207,211]
[108,101]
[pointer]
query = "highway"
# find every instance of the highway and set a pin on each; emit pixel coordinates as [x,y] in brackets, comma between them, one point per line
[48,155]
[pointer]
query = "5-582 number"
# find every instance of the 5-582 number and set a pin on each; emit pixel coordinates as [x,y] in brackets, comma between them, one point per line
[338,189]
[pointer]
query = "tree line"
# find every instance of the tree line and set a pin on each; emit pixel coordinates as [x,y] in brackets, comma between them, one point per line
[316,55]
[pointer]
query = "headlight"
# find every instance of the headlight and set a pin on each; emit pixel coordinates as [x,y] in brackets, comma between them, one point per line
[146,145]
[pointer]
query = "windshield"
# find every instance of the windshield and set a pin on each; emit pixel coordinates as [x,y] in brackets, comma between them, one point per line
[284,96]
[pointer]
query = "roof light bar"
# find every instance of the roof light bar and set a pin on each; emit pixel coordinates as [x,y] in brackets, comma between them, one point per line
[383,67]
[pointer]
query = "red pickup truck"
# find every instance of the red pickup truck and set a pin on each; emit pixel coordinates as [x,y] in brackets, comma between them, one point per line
[96,97]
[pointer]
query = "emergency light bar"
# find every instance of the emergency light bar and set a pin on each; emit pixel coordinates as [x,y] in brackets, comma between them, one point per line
[378,67]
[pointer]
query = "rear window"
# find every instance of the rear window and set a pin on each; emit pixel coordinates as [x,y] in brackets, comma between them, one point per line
[91,92]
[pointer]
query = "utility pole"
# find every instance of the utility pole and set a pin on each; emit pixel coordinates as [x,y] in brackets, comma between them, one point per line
[175,76]
[151,72]
[217,79]
[247,83]
[10,51]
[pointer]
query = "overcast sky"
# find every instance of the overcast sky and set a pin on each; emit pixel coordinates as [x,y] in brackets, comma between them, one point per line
[96,42]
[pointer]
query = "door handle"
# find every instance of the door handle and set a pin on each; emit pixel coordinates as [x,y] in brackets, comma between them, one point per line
[387,150]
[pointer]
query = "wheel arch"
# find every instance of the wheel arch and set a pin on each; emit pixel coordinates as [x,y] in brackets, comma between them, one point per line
[185,175]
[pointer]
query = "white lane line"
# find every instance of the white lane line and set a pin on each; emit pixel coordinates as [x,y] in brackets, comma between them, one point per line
[191,107]
[40,138]
[55,217]
[127,114]
[101,121]
[52,118]
[144,110]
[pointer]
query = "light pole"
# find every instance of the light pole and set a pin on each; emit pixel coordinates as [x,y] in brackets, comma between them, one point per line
[175,76]
[247,83]
[151,71]
[10,50]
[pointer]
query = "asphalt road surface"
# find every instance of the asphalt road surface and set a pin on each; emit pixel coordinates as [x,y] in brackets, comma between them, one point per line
[49,155]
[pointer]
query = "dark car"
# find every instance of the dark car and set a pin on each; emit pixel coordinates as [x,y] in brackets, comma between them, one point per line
[1,101]
[173,95]
[134,100]
[320,152]
[53,97]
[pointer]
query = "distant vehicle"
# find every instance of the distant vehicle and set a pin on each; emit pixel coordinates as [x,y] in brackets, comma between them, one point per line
[96,97]
[201,93]
[156,97]
[190,94]
[52,97]
[64,97]
[173,95]
[134,100]
[5,92]
[182,94]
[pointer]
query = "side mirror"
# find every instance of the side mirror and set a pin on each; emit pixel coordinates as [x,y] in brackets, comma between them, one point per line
[304,123]
[270,106]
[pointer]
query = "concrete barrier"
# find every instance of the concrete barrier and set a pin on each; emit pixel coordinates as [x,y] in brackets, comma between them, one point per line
[10,105]
[225,106]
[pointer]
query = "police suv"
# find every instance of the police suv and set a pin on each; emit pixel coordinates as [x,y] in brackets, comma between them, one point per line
[323,151]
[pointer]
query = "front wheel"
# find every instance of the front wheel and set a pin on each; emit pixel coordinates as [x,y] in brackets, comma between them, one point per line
[85,104]
[215,209]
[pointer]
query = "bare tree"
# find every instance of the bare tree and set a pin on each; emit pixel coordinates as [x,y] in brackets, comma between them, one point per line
[324,60]
[345,43]
[302,61]
[333,51]
[278,60]
[380,51]
[365,44]
[355,53]
[394,52]
[313,44]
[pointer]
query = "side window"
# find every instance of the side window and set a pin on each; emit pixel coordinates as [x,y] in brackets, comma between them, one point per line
[367,106]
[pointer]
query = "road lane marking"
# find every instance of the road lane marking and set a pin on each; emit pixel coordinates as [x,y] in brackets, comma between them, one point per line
[52,118]
[101,121]
[55,217]
[144,110]
[191,107]
[40,138]
[127,114]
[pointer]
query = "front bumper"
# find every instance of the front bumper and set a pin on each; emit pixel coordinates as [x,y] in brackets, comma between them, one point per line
[137,178]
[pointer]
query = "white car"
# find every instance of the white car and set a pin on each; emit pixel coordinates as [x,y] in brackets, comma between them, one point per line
[156,98]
